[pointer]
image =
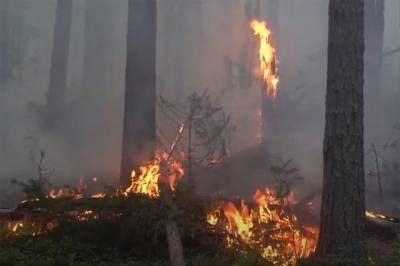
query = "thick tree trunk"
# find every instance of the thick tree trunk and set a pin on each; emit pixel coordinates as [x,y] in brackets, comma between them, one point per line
[59,57]
[139,133]
[343,203]
[374,30]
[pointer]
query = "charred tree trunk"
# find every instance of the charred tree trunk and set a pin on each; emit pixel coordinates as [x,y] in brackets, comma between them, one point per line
[343,202]
[59,58]
[139,132]
[374,30]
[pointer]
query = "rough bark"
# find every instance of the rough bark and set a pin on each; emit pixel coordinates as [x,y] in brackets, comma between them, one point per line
[59,57]
[374,30]
[140,93]
[343,202]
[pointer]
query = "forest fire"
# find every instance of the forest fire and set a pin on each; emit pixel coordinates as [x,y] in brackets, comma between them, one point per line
[146,180]
[267,56]
[268,227]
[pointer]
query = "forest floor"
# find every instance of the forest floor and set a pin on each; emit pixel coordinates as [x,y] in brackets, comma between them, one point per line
[137,237]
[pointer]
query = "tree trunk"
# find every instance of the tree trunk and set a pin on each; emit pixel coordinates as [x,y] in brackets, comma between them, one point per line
[173,47]
[174,244]
[270,119]
[175,247]
[343,202]
[374,30]
[4,11]
[4,70]
[97,74]
[59,58]
[139,132]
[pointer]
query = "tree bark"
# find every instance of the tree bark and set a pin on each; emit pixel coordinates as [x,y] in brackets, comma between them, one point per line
[59,57]
[139,132]
[374,30]
[343,203]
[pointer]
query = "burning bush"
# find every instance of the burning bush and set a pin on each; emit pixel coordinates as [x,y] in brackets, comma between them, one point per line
[269,227]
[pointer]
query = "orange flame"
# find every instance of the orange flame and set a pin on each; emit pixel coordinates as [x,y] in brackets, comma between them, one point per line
[146,180]
[267,56]
[269,227]
[77,193]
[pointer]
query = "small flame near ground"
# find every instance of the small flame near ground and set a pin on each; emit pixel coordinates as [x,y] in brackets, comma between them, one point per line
[146,180]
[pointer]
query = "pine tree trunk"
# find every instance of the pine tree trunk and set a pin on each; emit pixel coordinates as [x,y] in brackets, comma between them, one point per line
[139,132]
[343,202]
[374,30]
[59,57]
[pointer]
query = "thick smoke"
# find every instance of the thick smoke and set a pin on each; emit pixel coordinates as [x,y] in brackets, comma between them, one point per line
[202,45]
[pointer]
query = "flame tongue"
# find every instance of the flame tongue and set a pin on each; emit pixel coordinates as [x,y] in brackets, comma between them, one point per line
[268,227]
[146,181]
[267,56]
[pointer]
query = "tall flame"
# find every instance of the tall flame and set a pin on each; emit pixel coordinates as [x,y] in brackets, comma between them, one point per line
[267,56]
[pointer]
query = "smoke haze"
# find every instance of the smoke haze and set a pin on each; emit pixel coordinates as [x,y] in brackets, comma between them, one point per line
[202,45]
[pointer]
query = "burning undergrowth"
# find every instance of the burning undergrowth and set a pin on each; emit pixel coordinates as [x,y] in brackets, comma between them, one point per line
[266,225]
[132,218]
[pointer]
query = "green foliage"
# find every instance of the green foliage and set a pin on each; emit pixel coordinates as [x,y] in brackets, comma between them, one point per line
[285,175]
[136,237]
[47,251]
[37,187]
[379,254]
[33,188]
